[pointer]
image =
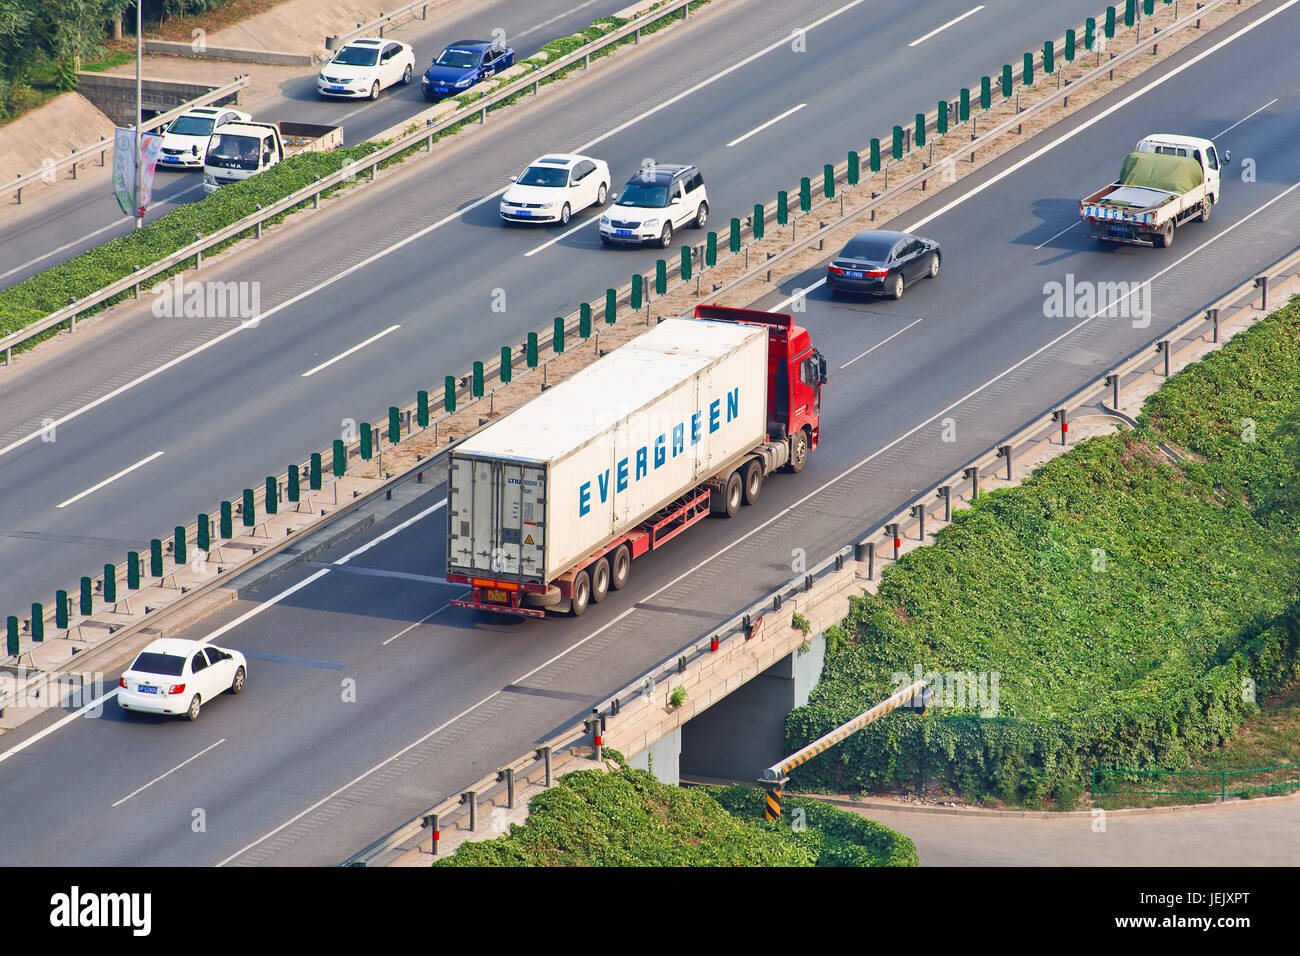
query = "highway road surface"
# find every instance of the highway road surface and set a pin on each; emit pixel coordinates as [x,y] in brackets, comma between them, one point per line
[400,285]
[292,773]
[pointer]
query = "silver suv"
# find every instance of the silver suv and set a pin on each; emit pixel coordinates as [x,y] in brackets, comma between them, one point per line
[655,202]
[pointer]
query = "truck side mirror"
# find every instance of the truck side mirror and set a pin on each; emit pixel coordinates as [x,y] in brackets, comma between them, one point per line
[821,369]
[1227,156]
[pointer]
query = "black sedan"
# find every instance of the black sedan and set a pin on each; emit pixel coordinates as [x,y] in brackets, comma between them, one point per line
[878,262]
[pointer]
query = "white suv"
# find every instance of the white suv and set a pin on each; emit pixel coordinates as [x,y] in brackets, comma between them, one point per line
[655,202]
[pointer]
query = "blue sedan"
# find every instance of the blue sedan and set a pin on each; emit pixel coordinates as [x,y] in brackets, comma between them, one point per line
[463,64]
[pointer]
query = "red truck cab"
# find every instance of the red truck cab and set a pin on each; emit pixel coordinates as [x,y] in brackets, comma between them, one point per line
[796,373]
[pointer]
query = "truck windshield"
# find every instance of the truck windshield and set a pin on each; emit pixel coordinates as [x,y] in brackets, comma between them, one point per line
[232,151]
[645,195]
[191,126]
[357,56]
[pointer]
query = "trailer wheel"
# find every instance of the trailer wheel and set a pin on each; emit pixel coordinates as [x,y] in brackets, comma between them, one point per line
[799,451]
[725,501]
[753,481]
[581,594]
[599,580]
[620,567]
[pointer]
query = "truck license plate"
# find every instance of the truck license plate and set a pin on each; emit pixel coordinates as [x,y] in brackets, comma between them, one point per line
[498,595]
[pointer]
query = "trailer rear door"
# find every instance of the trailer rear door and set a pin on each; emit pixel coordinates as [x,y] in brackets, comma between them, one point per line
[497,518]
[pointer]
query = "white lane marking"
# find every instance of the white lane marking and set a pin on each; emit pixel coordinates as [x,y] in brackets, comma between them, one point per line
[802,293]
[547,23]
[89,235]
[400,243]
[356,348]
[604,627]
[362,776]
[251,324]
[938,30]
[1244,118]
[785,41]
[1015,167]
[773,120]
[169,772]
[108,481]
[411,627]
[1059,234]
[564,235]
[231,625]
[878,345]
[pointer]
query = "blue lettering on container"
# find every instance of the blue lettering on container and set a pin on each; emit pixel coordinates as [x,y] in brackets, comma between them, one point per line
[733,404]
[714,413]
[622,474]
[679,431]
[603,481]
[584,498]
[641,468]
[695,428]
[660,454]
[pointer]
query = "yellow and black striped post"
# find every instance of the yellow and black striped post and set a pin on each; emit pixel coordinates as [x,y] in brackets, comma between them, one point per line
[775,777]
[772,798]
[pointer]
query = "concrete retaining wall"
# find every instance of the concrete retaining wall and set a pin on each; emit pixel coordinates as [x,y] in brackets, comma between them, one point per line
[114,96]
[273,57]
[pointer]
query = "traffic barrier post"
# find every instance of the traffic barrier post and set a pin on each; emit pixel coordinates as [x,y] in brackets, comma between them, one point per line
[155,559]
[661,270]
[62,612]
[394,425]
[783,207]
[584,320]
[685,270]
[227,530]
[476,383]
[178,545]
[110,584]
[507,360]
[38,623]
[449,393]
[637,280]
[421,410]
[339,458]
[11,636]
[875,154]
[557,337]
[759,215]
[611,307]
[271,496]
[986,92]
[733,241]
[1028,71]
[1006,81]
[250,509]
[314,473]
[367,442]
[133,570]
[805,194]
[896,147]
[530,350]
[710,259]
[87,594]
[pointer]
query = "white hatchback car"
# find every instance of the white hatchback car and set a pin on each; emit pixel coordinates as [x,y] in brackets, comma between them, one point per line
[554,187]
[366,66]
[176,676]
[185,140]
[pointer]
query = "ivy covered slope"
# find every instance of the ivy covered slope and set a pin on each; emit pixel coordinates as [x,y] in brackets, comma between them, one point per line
[628,818]
[1133,608]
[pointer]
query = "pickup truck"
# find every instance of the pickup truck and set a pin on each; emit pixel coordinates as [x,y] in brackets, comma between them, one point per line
[239,150]
[1166,181]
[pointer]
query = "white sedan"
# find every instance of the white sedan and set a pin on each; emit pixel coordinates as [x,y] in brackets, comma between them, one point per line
[176,676]
[366,66]
[554,187]
[185,140]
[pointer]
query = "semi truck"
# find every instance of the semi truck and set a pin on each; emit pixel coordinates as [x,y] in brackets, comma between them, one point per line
[548,507]
[1166,181]
[239,150]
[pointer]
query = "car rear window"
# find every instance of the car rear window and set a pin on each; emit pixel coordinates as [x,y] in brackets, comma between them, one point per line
[168,665]
[870,247]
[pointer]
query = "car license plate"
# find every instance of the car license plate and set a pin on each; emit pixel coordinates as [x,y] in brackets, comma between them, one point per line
[143,689]
[852,274]
[523,212]
[442,89]
[498,595]
[622,232]
[338,89]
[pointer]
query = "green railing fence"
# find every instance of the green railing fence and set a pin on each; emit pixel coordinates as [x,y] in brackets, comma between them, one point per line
[1221,783]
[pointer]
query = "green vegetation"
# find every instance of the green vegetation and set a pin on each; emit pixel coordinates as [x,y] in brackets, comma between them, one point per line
[628,818]
[800,623]
[678,697]
[1133,607]
[51,290]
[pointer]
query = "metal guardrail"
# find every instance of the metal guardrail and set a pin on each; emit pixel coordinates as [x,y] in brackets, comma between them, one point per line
[337,41]
[353,171]
[1222,776]
[105,145]
[582,731]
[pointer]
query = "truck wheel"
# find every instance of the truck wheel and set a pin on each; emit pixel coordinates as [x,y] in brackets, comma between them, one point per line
[1165,238]
[733,495]
[599,580]
[581,593]
[799,451]
[753,482]
[620,567]
[1207,205]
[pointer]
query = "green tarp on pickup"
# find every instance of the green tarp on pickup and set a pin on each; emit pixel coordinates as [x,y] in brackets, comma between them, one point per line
[1175,174]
